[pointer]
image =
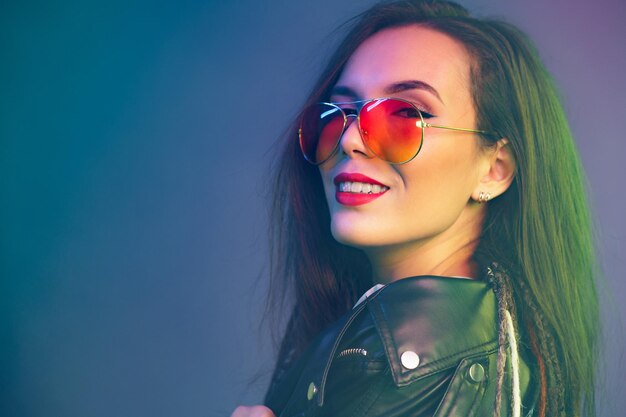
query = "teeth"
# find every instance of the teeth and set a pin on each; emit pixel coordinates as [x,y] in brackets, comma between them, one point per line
[361,188]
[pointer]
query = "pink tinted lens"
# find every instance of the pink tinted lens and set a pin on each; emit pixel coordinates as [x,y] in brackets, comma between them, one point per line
[321,127]
[392,129]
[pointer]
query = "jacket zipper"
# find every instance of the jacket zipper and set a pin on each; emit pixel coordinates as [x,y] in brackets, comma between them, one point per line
[352,352]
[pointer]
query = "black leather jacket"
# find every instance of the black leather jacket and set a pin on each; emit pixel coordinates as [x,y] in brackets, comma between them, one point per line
[422,346]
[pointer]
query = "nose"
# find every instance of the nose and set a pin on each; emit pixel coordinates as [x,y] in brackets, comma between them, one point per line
[351,142]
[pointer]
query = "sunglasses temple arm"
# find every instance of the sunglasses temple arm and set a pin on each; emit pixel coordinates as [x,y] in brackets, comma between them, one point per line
[423,124]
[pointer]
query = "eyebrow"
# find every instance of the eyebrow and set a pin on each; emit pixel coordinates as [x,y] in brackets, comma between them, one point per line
[391,89]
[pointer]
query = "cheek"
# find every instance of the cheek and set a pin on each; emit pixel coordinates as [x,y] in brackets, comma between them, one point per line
[443,179]
[329,186]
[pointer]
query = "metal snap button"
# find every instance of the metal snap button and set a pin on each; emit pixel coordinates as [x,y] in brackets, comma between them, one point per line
[477,372]
[410,359]
[310,393]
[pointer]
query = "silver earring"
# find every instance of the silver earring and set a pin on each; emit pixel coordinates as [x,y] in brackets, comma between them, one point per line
[484,197]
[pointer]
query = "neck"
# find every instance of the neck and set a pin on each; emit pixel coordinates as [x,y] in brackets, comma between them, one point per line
[449,253]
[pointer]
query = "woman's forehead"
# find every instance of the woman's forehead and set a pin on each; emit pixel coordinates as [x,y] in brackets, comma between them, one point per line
[408,53]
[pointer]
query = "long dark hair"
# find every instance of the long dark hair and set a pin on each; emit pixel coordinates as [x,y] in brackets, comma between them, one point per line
[539,229]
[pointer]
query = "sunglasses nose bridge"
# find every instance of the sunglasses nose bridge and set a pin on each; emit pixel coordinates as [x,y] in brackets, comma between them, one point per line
[349,118]
[349,121]
[351,140]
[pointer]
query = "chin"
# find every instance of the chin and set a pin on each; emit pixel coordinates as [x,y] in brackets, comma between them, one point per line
[348,233]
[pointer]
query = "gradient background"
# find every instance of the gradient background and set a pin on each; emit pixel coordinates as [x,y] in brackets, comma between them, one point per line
[135,142]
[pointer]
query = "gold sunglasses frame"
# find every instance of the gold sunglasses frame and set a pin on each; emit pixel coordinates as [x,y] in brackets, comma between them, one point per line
[363,103]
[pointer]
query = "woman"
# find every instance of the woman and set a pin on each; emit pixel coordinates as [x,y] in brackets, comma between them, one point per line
[433,159]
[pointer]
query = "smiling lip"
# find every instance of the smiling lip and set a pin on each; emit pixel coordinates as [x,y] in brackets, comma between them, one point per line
[348,198]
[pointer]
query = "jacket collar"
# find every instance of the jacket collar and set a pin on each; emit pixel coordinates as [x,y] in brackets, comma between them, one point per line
[430,323]
[426,324]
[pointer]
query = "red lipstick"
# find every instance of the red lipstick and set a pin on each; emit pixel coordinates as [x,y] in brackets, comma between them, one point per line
[348,198]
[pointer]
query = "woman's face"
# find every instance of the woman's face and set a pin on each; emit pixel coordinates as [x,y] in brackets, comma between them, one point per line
[428,198]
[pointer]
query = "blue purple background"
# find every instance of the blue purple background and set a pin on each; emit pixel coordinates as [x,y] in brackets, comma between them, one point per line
[135,141]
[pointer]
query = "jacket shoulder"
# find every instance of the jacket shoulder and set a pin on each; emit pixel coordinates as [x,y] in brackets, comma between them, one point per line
[425,345]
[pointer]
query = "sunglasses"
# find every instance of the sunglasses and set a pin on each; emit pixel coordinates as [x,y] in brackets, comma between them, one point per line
[392,128]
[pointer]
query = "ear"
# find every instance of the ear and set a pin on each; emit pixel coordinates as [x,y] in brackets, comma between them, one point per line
[498,174]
